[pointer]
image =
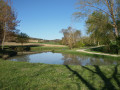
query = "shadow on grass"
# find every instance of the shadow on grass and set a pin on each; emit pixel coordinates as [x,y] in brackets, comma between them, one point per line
[81,78]
[114,76]
[108,85]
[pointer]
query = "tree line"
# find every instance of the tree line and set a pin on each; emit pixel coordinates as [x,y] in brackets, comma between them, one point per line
[102,22]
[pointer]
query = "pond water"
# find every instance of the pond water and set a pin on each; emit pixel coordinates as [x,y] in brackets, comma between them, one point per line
[64,59]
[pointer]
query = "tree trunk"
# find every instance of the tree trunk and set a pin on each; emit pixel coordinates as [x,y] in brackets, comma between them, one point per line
[110,8]
[94,41]
[98,44]
[4,36]
[116,32]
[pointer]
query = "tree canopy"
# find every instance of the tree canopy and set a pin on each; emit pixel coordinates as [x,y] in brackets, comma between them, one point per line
[111,8]
[99,27]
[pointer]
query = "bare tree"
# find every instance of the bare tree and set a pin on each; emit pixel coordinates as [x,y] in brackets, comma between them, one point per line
[70,36]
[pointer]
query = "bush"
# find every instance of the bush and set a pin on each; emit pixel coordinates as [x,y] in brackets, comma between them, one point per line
[20,48]
[7,53]
[79,44]
[113,49]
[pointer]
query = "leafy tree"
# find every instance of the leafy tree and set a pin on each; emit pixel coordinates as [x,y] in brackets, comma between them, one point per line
[86,41]
[99,28]
[22,38]
[79,44]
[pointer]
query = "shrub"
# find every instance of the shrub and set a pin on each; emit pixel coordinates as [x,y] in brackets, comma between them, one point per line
[79,44]
[20,48]
[113,49]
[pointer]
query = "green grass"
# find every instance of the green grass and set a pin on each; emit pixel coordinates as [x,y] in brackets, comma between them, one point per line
[48,48]
[26,76]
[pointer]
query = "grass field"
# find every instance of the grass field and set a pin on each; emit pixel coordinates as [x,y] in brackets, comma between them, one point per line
[53,43]
[28,76]
[42,48]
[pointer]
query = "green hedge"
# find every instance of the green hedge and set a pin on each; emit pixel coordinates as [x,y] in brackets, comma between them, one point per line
[112,49]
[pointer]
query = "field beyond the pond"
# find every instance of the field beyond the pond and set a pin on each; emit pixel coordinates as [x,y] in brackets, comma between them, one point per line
[25,76]
[34,44]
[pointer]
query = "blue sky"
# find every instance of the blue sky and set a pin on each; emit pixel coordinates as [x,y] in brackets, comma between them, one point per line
[45,18]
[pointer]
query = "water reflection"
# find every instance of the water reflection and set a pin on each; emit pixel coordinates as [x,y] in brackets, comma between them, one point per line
[66,59]
[82,60]
[23,58]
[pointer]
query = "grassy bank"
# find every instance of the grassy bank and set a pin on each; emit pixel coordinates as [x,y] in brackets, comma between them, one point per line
[25,76]
[40,48]
[52,43]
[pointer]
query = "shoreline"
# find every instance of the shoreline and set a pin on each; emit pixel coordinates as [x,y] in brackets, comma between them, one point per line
[40,49]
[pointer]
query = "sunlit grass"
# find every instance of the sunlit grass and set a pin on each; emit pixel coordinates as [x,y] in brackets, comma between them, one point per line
[25,76]
[52,43]
[48,48]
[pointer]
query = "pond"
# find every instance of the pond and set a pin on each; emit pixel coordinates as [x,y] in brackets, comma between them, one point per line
[63,59]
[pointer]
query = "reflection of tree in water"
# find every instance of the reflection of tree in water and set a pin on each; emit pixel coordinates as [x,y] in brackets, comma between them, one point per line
[24,58]
[105,61]
[70,59]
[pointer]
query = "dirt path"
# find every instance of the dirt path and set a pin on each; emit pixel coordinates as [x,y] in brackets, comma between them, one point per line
[84,50]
